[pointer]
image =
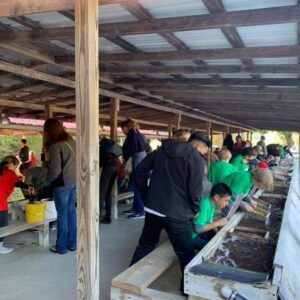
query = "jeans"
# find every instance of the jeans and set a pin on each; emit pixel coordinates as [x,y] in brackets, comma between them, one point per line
[179,233]
[65,199]
[202,239]
[3,220]
[107,179]
[138,204]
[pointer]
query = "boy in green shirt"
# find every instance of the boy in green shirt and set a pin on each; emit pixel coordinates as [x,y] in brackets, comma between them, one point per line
[222,168]
[204,227]
[241,161]
[242,183]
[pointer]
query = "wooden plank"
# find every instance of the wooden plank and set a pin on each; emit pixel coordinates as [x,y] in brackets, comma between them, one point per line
[115,108]
[235,206]
[20,226]
[87,111]
[231,53]
[139,276]
[27,72]
[148,294]
[177,121]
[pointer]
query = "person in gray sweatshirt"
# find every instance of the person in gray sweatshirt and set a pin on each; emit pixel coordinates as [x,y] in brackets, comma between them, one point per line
[62,178]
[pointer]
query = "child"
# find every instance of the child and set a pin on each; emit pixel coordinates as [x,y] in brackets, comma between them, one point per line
[8,181]
[241,161]
[204,227]
[242,183]
[222,168]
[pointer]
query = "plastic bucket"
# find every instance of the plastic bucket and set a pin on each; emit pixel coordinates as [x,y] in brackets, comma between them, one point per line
[50,210]
[35,213]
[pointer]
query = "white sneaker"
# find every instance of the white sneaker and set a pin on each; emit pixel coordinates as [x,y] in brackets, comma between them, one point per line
[4,250]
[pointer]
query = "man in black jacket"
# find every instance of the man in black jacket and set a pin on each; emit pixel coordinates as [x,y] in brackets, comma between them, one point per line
[172,197]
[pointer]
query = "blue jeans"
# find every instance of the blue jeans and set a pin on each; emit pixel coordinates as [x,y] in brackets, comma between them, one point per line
[202,239]
[138,204]
[65,199]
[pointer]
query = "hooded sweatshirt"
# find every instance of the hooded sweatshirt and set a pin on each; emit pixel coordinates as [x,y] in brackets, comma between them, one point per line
[176,182]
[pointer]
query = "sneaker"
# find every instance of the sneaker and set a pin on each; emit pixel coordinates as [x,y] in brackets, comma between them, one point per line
[53,249]
[136,216]
[4,250]
[129,212]
[105,221]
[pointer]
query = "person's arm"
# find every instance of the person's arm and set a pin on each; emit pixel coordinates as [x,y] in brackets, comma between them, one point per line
[54,167]
[130,147]
[196,169]
[142,173]
[219,223]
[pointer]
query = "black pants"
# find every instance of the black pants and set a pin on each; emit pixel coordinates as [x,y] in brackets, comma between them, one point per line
[179,233]
[3,220]
[107,179]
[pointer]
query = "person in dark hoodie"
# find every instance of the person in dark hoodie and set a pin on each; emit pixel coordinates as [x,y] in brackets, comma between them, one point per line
[228,142]
[134,151]
[172,197]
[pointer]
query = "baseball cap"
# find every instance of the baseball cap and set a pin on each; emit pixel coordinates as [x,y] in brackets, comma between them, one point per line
[263,165]
[197,135]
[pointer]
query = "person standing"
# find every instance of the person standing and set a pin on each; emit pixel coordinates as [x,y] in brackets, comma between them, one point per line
[172,197]
[134,151]
[262,144]
[228,142]
[62,177]
[24,151]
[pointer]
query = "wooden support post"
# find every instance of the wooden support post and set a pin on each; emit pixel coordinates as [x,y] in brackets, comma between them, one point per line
[48,114]
[48,111]
[115,108]
[87,113]
[177,121]
[248,135]
[251,137]
[208,131]
[239,131]
[170,130]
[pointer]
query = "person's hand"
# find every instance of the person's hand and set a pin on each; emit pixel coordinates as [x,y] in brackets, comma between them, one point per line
[31,190]
[249,209]
[222,222]
[196,215]
[253,203]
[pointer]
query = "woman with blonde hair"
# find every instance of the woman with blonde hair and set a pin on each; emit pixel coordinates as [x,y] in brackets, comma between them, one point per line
[134,151]
[62,178]
[181,135]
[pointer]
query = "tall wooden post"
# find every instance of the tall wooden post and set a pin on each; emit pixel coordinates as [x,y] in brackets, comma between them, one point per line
[170,130]
[208,132]
[48,111]
[248,135]
[251,137]
[114,109]
[177,121]
[87,112]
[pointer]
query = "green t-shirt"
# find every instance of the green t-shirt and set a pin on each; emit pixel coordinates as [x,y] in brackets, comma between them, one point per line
[239,182]
[238,163]
[219,170]
[206,214]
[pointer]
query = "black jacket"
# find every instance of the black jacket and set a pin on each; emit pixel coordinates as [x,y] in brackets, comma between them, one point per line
[134,142]
[176,181]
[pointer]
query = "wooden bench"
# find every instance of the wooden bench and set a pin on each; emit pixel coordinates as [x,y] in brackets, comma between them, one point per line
[119,197]
[134,282]
[17,227]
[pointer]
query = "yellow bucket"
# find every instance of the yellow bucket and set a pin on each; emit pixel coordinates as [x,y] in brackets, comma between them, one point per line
[35,213]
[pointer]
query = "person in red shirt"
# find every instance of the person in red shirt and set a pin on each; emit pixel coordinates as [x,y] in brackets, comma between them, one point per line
[8,181]
[33,159]
[239,144]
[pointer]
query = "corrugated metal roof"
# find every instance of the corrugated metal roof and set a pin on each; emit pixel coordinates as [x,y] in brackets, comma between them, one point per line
[269,35]
[13,24]
[272,75]
[203,39]
[114,13]
[275,61]
[195,76]
[108,46]
[4,54]
[137,64]
[159,76]
[149,42]
[63,45]
[225,62]
[176,63]
[174,8]
[51,19]
[234,5]
[235,75]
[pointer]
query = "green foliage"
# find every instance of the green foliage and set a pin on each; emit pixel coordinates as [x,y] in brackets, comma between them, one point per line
[10,145]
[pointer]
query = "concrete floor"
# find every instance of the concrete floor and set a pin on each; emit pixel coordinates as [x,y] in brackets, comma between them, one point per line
[34,273]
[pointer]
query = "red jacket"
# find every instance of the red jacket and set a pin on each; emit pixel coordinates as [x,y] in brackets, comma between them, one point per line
[239,145]
[7,183]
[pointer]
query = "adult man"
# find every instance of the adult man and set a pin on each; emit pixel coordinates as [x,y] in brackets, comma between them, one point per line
[24,151]
[173,195]
[262,143]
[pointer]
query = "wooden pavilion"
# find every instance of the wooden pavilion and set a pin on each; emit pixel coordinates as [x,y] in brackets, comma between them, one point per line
[211,65]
